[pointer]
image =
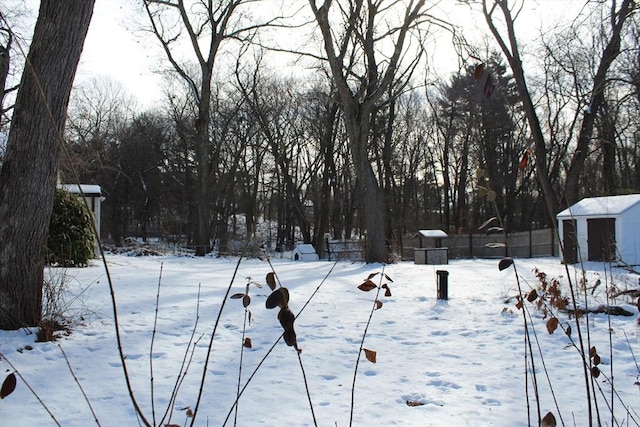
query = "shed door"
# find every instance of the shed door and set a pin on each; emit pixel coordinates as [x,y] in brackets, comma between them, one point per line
[569,241]
[601,238]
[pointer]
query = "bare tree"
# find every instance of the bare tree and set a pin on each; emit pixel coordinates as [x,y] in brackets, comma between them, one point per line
[30,167]
[363,71]
[203,27]
[496,11]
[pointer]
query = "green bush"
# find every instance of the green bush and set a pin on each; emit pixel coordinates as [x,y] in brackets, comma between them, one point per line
[70,242]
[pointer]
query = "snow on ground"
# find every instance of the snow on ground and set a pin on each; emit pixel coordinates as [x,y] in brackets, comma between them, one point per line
[461,361]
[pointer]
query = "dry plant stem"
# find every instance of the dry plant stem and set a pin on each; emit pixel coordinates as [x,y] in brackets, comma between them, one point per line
[184,367]
[364,335]
[527,337]
[306,387]
[594,385]
[75,378]
[610,344]
[253,374]
[528,356]
[264,358]
[153,339]
[585,363]
[116,322]
[2,356]
[304,375]
[544,367]
[244,330]
[213,334]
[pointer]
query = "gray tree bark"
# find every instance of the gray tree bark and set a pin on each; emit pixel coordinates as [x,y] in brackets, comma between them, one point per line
[29,171]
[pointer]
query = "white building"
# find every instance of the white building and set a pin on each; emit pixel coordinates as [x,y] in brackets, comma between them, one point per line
[601,229]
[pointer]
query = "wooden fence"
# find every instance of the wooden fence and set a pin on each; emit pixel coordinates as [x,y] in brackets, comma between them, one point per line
[526,244]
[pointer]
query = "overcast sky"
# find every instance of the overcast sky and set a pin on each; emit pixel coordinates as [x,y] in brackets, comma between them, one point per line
[116,46]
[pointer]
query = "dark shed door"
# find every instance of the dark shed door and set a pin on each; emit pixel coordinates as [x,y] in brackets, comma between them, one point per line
[569,241]
[601,238]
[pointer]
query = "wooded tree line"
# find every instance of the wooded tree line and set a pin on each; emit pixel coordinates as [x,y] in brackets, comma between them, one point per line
[364,142]
[280,163]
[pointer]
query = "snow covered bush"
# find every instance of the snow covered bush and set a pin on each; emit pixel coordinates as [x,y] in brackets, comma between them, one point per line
[70,241]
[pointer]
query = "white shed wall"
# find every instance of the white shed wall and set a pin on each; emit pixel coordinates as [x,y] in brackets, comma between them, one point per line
[628,236]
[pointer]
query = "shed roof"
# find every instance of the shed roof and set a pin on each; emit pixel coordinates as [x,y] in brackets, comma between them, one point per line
[606,205]
[89,190]
[432,233]
[306,249]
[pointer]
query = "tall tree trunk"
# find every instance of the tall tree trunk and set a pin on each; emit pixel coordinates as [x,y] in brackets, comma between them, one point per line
[371,195]
[512,53]
[28,177]
[609,54]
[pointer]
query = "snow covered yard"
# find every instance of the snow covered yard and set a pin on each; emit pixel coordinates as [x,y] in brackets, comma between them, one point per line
[460,361]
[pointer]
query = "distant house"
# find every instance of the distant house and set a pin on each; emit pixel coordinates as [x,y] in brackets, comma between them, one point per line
[601,229]
[304,252]
[93,196]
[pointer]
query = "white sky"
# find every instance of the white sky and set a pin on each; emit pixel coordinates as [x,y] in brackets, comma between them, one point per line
[116,47]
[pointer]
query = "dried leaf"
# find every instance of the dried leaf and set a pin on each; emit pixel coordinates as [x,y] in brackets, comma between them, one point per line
[525,159]
[367,286]
[285,297]
[552,325]
[274,299]
[387,293]
[8,386]
[549,420]
[596,359]
[237,296]
[568,330]
[495,245]
[246,300]
[414,403]
[372,275]
[247,342]
[491,196]
[533,295]
[505,263]
[494,230]
[477,72]
[287,318]
[489,86]
[487,222]
[370,355]
[519,304]
[388,278]
[595,372]
[593,351]
[378,304]
[271,280]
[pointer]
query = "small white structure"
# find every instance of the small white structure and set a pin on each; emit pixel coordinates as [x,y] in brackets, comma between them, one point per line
[304,252]
[601,229]
[431,251]
[93,196]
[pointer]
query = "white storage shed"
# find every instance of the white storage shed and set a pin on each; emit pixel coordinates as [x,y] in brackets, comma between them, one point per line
[93,196]
[601,229]
[304,252]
